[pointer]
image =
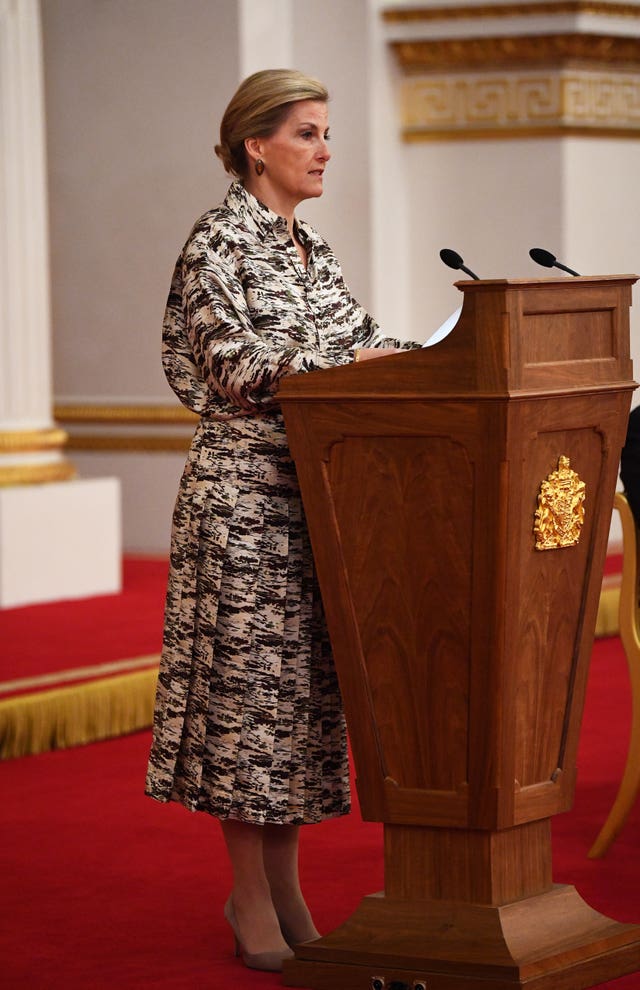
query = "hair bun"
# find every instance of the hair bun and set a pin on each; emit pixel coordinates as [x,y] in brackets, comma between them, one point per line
[223,153]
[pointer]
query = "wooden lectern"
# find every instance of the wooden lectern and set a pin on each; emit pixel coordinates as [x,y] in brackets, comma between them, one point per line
[459,499]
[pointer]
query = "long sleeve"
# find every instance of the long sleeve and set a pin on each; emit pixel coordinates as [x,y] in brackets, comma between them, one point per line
[243,312]
[235,361]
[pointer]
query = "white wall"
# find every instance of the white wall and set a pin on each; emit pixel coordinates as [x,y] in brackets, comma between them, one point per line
[489,200]
[134,95]
[602,214]
[331,43]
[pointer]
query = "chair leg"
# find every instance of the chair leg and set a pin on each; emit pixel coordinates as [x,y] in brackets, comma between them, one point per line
[630,784]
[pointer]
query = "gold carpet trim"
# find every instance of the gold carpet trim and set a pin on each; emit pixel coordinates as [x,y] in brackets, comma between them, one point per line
[74,716]
[544,8]
[78,673]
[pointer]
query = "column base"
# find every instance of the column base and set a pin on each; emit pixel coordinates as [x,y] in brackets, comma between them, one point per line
[553,941]
[59,541]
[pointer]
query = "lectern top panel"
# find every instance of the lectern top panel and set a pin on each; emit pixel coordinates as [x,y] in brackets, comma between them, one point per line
[465,284]
[514,337]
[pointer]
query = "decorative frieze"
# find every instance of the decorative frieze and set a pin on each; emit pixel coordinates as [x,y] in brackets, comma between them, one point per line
[521,104]
[522,80]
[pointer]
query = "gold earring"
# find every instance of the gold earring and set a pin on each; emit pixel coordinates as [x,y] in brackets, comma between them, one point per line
[259,166]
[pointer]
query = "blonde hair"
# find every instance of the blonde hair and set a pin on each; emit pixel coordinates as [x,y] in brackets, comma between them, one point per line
[261,103]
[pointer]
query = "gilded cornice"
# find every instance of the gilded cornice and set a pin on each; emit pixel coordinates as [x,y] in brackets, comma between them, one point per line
[21,441]
[135,414]
[407,15]
[517,51]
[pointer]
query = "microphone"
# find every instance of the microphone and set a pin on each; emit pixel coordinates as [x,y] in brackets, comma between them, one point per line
[453,260]
[548,260]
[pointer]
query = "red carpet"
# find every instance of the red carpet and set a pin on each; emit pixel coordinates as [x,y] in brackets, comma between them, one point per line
[101,887]
[44,639]
[74,672]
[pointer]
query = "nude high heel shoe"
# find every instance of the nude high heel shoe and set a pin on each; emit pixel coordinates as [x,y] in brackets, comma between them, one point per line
[310,935]
[270,962]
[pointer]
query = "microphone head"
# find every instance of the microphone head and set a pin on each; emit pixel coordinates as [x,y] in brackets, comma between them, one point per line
[542,257]
[451,258]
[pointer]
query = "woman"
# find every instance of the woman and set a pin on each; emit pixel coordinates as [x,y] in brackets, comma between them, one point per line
[248,723]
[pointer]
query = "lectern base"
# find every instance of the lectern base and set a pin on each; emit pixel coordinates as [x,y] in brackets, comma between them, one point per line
[553,941]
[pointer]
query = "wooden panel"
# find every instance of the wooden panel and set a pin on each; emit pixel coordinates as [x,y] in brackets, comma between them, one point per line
[549,338]
[475,866]
[410,502]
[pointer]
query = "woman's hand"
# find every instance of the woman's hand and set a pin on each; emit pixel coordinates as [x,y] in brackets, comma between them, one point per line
[366,353]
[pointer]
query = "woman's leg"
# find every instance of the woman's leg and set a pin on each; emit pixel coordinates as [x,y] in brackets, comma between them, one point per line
[255,915]
[280,852]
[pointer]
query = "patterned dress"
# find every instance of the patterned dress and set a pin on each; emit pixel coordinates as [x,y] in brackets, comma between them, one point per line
[248,721]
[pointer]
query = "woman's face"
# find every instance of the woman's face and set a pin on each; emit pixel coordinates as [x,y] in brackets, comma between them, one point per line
[295,156]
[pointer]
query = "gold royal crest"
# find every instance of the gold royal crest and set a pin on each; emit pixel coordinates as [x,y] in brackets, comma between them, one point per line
[560,512]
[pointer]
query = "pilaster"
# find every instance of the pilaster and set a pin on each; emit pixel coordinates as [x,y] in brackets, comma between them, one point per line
[45,517]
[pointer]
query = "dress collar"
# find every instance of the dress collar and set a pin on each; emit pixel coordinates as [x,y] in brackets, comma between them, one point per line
[260,219]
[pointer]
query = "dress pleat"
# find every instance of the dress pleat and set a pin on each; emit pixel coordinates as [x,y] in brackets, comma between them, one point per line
[249,721]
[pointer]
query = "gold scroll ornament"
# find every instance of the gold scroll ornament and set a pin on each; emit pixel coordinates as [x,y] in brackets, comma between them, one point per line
[560,512]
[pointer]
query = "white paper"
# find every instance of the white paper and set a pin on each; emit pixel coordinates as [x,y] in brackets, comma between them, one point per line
[444,330]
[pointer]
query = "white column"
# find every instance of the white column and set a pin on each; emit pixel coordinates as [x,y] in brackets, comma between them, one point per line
[29,443]
[266,35]
[61,539]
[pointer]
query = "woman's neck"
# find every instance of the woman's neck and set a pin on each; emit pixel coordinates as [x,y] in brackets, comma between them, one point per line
[272,199]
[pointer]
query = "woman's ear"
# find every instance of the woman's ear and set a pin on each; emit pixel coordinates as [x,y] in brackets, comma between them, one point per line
[253,148]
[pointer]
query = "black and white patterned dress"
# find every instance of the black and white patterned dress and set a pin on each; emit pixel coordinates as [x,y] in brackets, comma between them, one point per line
[248,721]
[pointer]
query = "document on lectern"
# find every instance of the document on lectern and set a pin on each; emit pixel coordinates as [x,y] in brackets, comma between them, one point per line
[367,353]
[444,330]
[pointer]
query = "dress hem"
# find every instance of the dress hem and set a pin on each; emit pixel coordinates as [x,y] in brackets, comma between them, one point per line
[292,820]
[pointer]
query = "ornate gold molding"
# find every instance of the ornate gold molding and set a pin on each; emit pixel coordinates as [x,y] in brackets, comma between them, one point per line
[135,414]
[15,441]
[419,136]
[149,443]
[545,8]
[507,105]
[142,415]
[518,51]
[36,474]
